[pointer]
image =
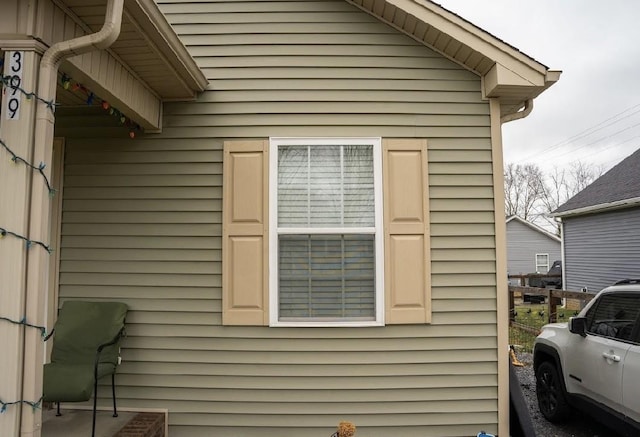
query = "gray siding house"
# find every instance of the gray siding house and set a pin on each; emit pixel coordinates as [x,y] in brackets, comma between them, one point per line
[530,249]
[310,229]
[601,229]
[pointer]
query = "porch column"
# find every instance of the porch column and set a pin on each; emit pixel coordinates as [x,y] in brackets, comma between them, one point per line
[37,285]
[21,267]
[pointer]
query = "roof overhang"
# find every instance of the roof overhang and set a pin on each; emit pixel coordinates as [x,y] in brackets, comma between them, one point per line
[507,74]
[152,31]
[603,207]
[158,66]
[147,44]
[145,66]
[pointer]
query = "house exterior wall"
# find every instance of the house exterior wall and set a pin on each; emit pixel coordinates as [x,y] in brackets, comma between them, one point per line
[142,224]
[600,249]
[523,243]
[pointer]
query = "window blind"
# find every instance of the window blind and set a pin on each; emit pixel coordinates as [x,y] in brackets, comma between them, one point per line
[324,276]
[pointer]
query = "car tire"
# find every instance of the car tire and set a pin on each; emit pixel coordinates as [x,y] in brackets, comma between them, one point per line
[552,399]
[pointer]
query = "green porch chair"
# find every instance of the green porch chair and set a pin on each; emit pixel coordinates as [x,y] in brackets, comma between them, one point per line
[86,347]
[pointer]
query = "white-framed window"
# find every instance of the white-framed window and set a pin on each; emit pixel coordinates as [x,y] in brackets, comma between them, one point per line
[326,251]
[542,262]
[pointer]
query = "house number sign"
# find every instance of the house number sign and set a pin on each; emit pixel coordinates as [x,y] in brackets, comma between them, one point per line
[13,96]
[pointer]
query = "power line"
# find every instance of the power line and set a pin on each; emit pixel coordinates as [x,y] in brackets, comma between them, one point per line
[586,132]
[611,147]
[599,139]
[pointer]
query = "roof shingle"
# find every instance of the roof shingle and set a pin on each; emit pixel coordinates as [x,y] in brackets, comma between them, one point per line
[622,182]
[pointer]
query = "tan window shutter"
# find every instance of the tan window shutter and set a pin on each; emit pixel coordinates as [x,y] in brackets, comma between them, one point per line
[245,233]
[406,231]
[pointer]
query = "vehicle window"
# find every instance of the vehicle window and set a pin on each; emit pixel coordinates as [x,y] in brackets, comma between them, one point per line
[614,315]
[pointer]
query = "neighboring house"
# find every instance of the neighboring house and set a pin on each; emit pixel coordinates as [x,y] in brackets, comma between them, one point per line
[601,229]
[311,239]
[530,248]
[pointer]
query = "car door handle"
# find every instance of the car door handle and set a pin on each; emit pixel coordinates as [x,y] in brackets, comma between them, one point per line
[611,356]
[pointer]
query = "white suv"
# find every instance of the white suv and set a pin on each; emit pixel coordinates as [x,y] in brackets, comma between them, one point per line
[593,362]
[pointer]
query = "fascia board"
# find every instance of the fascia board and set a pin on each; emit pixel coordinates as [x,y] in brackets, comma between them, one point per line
[619,204]
[513,73]
[473,37]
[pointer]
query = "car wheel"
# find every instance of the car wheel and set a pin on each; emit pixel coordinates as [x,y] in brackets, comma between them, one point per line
[552,401]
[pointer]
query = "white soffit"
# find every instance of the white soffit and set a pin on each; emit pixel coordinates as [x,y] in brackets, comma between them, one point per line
[147,45]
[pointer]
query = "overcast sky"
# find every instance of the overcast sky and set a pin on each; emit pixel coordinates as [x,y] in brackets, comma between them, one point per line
[593,112]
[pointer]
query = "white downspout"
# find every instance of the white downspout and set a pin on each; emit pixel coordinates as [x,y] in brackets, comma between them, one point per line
[528,107]
[39,208]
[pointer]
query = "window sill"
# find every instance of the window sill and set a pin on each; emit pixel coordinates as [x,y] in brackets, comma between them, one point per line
[326,324]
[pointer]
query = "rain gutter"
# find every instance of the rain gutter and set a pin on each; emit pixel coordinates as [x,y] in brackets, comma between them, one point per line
[602,207]
[528,107]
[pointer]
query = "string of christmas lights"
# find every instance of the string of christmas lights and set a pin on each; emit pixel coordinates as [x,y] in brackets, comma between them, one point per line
[40,168]
[4,233]
[13,82]
[69,84]
[34,405]
[43,331]
[24,322]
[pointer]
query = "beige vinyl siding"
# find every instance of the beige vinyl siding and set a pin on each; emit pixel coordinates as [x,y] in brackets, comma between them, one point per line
[356,71]
[142,223]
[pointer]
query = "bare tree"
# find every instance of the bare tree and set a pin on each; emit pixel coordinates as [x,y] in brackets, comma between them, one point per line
[561,184]
[532,195]
[558,189]
[523,190]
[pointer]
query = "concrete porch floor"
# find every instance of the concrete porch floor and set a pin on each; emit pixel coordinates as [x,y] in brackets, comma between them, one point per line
[77,423]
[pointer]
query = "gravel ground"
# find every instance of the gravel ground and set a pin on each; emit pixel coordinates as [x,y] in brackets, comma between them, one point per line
[579,425]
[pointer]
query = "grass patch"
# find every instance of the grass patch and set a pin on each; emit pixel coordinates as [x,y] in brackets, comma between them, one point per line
[529,319]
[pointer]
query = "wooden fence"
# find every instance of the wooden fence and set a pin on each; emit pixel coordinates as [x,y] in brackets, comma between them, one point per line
[523,326]
[553,297]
